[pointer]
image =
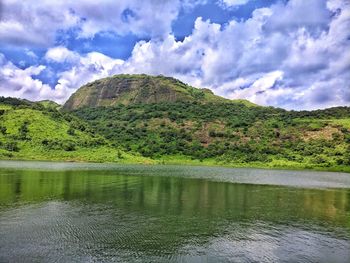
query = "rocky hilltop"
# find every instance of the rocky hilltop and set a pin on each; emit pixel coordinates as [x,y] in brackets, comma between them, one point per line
[132,89]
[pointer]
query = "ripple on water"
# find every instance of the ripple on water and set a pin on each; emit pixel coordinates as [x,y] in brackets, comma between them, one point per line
[91,216]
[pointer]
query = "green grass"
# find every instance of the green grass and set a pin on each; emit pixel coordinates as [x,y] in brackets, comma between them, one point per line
[342,122]
[48,104]
[101,154]
[274,164]
[44,125]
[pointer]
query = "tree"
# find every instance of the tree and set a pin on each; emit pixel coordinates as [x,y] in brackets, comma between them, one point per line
[11,146]
[23,131]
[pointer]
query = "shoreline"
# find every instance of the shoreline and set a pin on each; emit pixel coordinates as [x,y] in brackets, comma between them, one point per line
[188,162]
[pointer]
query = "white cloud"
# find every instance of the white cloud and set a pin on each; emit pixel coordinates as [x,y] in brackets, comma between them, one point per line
[231,3]
[259,86]
[302,65]
[277,57]
[38,22]
[312,15]
[31,54]
[138,17]
[34,22]
[22,83]
[61,54]
[17,82]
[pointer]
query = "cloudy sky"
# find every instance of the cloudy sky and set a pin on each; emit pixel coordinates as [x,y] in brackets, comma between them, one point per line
[293,54]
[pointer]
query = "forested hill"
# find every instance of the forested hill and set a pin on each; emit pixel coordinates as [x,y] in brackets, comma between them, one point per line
[162,120]
[221,133]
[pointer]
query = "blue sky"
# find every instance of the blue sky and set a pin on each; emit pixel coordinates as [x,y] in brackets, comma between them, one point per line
[293,54]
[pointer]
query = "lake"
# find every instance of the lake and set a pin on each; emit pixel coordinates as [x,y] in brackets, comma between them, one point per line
[65,212]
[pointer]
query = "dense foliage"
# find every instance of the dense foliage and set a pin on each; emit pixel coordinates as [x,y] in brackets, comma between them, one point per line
[226,132]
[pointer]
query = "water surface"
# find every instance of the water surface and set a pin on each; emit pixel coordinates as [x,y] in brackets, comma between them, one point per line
[59,212]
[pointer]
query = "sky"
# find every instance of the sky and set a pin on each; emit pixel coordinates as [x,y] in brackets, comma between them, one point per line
[293,54]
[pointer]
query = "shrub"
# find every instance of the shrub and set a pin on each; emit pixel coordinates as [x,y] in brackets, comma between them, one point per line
[23,131]
[71,131]
[11,146]
[319,159]
[55,144]
[3,130]
[68,146]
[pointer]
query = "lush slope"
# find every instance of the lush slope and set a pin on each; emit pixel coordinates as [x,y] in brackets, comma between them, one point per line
[140,118]
[130,89]
[227,134]
[35,131]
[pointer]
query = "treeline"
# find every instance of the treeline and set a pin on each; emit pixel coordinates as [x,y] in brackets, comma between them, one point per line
[335,112]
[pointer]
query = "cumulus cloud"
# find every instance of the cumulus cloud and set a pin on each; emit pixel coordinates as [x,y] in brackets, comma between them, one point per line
[259,86]
[292,55]
[30,54]
[145,18]
[17,82]
[23,83]
[34,22]
[300,65]
[38,22]
[231,3]
[61,54]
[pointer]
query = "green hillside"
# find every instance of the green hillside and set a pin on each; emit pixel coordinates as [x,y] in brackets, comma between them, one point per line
[34,131]
[140,118]
[227,134]
[48,104]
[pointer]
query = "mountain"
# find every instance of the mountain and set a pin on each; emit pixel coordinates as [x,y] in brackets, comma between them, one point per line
[164,119]
[133,89]
[37,131]
[140,118]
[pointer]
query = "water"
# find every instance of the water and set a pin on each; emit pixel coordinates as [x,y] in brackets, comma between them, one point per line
[59,212]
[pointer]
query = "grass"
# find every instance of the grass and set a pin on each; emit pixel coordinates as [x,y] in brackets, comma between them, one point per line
[274,164]
[42,126]
[109,155]
[102,154]
[342,122]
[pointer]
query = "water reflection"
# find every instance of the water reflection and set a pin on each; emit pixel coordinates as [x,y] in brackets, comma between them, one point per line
[104,215]
[179,196]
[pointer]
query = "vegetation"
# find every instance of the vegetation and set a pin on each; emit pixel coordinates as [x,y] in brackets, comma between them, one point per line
[32,131]
[226,134]
[138,118]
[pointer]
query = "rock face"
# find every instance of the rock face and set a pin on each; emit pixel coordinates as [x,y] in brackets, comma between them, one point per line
[129,89]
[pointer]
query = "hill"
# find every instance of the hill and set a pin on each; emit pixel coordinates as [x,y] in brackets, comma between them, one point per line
[134,89]
[165,119]
[227,134]
[140,118]
[48,104]
[37,131]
